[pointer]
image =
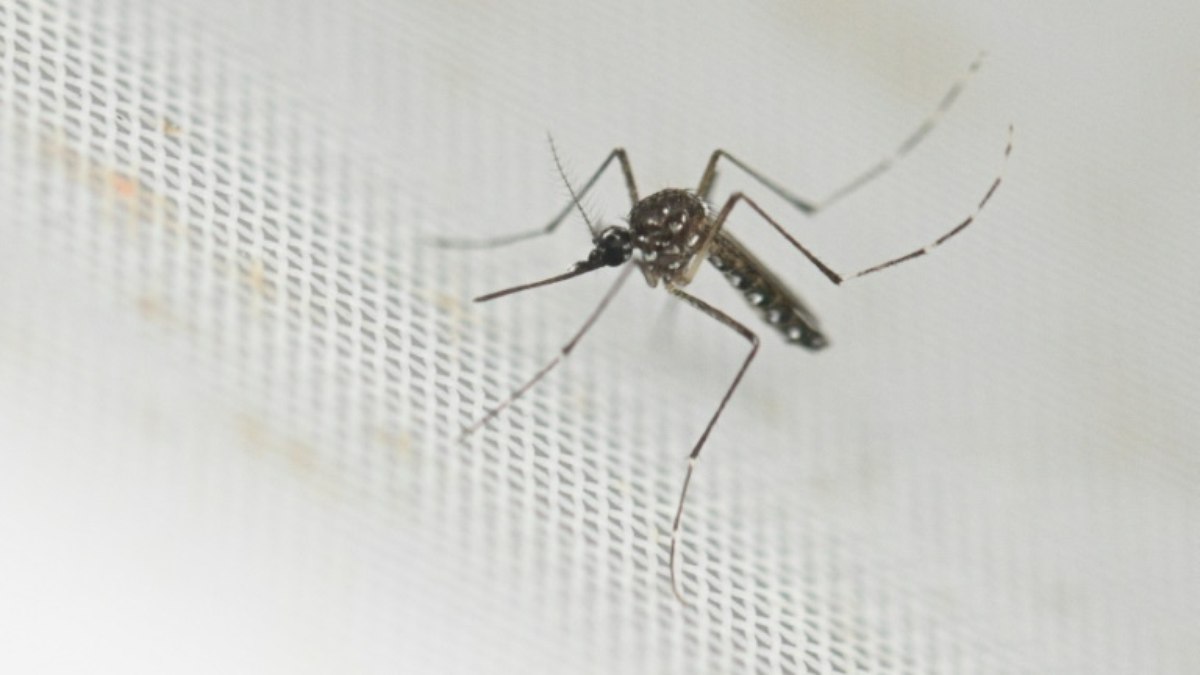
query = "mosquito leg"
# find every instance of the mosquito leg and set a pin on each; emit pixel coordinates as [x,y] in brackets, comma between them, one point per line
[811,207]
[665,320]
[837,278]
[559,358]
[957,228]
[505,239]
[753,339]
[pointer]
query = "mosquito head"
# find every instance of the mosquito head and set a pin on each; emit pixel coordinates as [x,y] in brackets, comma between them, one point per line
[613,247]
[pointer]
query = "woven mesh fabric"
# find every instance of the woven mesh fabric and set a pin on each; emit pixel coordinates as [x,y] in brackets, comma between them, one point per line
[232,376]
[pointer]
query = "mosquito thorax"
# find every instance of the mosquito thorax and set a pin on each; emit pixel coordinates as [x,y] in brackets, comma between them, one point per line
[668,227]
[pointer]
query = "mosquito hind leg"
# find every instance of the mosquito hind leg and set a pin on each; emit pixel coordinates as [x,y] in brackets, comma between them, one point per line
[987,196]
[809,207]
[838,278]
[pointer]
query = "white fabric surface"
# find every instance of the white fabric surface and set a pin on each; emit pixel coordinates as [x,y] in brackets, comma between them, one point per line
[231,377]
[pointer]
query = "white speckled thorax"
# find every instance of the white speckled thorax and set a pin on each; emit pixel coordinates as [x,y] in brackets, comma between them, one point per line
[669,229]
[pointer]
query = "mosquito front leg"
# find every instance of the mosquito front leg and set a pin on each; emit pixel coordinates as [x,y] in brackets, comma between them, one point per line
[753,338]
[811,207]
[564,352]
[503,240]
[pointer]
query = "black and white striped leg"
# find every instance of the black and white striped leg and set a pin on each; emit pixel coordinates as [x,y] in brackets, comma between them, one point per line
[838,278]
[879,168]
[695,455]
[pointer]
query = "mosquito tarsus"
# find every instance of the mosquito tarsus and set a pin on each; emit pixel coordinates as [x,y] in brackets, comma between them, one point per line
[671,232]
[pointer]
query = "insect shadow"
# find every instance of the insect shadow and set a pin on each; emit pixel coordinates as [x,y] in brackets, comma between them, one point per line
[671,232]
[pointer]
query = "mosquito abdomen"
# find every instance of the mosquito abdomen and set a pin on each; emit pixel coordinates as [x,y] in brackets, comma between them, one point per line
[778,306]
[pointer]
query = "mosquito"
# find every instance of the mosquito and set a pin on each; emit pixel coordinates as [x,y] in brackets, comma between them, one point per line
[671,232]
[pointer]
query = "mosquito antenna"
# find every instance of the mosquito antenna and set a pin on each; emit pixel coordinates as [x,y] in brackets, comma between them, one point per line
[577,270]
[563,174]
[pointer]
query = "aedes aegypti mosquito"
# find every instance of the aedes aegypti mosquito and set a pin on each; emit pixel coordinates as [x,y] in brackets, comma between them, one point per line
[672,231]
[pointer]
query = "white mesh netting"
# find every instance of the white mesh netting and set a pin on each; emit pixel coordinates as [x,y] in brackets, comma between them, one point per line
[231,377]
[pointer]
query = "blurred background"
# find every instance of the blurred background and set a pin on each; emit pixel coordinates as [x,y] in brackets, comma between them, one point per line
[232,375]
